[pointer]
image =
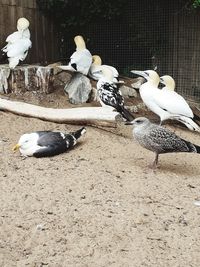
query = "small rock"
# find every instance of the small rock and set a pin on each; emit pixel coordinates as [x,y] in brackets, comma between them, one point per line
[78,88]
[128,91]
[137,82]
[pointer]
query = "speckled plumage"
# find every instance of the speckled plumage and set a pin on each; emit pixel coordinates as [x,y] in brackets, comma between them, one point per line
[110,95]
[159,139]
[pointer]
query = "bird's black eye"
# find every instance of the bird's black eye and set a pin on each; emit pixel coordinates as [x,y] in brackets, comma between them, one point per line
[139,121]
[146,73]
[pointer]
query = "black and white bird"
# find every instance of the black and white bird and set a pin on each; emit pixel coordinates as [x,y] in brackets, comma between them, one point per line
[110,94]
[81,59]
[47,143]
[96,65]
[167,104]
[159,139]
[18,43]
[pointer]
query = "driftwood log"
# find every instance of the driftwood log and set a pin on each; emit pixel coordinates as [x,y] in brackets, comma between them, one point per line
[97,116]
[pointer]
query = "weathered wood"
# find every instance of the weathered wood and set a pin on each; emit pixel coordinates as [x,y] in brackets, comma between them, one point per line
[98,116]
[26,78]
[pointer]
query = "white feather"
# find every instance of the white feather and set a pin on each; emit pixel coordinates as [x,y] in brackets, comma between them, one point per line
[166,103]
[18,44]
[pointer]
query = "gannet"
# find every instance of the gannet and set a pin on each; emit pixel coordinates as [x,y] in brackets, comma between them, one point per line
[81,59]
[159,139]
[110,95]
[18,43]
[96,63]
[47,143]
[167,104]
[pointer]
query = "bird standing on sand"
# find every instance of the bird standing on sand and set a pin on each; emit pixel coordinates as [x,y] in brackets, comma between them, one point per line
[159,139]
[110,95]
[18,43]
[46,143]
[81,59]
[96,65]
[167,104]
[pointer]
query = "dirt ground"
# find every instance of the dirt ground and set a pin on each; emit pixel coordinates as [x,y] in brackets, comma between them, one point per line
[98,205]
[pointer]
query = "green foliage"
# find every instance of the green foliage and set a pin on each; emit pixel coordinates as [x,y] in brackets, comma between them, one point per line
[196,4]
[73,13]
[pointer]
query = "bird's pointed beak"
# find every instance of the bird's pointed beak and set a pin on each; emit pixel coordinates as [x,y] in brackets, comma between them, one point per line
[16,147]
[129,122]
[140,73]
[97,72]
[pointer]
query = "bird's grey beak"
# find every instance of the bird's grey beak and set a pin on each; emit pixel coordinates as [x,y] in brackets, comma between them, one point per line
[97,72]
[140,73]
[129,123]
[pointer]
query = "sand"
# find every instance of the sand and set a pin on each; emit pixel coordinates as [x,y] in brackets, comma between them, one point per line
[98,205]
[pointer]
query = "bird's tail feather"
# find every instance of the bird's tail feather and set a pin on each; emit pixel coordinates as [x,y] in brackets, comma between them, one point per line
[126,114]
[189,123]
[198,149]
[79,133]
[196,118]
[192,147]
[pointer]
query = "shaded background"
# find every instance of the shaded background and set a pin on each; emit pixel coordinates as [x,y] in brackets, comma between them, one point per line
[143,34]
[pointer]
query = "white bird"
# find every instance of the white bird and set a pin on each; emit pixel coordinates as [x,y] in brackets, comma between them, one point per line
[47,143]
[167,104]
[109,94]
[81,59]
[96,64]
[18,43]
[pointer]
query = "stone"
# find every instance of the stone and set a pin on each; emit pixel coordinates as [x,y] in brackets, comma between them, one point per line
[128,91]
[78,88]
[137,82]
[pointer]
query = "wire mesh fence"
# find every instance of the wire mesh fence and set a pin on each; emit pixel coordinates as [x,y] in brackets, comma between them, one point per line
[147,37]
[149,34]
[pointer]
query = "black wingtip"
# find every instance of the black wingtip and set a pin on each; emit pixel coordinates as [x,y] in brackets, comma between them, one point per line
[196,118]
[126,114]
[79,132]
[198,149]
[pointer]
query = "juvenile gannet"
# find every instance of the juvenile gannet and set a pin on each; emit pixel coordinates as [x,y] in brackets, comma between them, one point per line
[47,143]
[81,59]
[18,43]
[96,63]
[110,95]
[167,104]
[159,139]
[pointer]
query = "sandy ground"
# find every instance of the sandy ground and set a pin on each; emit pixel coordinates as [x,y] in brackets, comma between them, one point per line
[98,205]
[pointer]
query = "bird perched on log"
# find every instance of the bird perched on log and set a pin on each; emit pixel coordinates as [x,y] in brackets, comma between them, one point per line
[47,143]
[96,64]
[18,43]
[81,59]
[167,104]
[110,95]
[159,139]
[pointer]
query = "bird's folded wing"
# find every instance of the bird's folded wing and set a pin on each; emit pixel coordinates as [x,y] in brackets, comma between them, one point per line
[18,48]
[47,138]
[172,102]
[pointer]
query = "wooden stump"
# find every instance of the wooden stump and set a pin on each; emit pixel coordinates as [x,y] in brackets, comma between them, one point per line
[26,78]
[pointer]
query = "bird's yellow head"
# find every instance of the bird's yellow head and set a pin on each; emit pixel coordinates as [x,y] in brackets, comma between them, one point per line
[22,24]
[80,43]
[168,81]
[150,75]
[96,60]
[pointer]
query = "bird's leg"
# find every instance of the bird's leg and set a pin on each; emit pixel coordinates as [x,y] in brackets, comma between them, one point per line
[160,123]
[154,165]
